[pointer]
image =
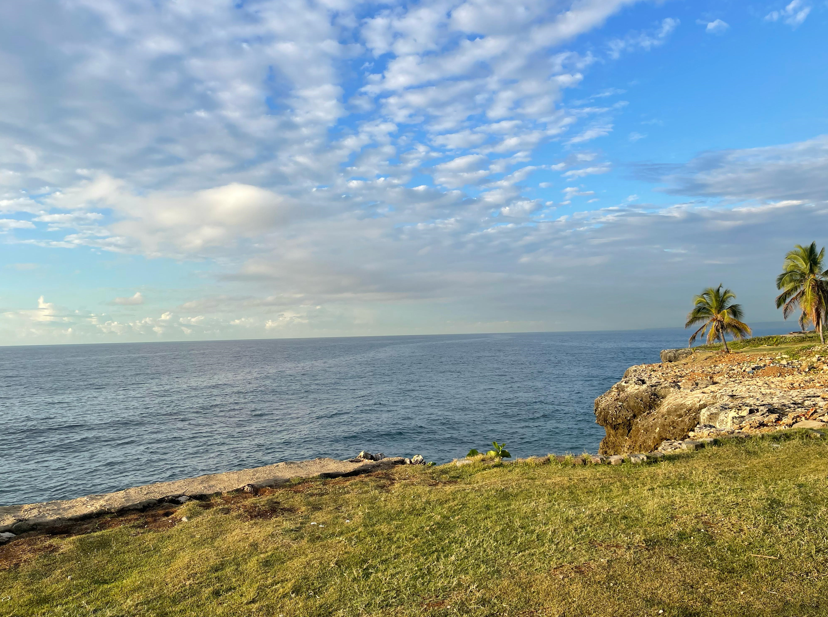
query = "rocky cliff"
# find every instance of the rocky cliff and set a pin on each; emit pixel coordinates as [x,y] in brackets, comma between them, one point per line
[705,394]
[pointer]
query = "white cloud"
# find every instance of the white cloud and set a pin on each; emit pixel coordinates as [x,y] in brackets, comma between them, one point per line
[574,191]
[715,27]
[521,208]
[643,40]
[133,300]
[793,14]
[587,171]
[590,134]
[9,224]
[634,136]
[174,223]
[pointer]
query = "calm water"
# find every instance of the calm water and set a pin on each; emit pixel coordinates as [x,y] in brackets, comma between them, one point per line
[84,419]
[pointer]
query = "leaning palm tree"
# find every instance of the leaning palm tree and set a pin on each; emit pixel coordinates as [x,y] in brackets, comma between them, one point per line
[720,316]
[804,284]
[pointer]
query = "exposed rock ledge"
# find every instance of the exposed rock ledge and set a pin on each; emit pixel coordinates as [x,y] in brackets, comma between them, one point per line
[51,513]
[707,395]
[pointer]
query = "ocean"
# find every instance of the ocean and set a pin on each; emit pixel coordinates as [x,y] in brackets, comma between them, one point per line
[83,419]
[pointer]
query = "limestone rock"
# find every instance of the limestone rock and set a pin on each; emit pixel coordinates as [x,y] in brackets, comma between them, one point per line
[6,536]
[674,355]
[708,396]
[810,424]
[22,518]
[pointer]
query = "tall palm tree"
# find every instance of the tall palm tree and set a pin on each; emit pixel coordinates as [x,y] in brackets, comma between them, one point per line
[804,283]
[720,315]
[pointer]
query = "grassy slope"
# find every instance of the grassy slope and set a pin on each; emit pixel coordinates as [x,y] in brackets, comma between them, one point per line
[768,344]
[688,536]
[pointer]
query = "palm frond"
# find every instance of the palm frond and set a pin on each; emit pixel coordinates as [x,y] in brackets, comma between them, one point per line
[736,328]
[695,334]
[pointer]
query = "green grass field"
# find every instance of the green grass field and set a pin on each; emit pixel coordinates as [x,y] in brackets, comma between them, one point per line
[740,529]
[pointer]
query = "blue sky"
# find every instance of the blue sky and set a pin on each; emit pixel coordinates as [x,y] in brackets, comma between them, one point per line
[201,170]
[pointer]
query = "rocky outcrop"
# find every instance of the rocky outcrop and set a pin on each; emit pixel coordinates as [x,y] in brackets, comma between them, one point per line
[711,395]
[675,355]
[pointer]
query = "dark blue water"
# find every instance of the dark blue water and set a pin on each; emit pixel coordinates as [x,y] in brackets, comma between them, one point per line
[84,419]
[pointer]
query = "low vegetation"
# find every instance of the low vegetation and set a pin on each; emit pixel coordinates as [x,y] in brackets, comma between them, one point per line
[733,530]
[498,451]
[795,343]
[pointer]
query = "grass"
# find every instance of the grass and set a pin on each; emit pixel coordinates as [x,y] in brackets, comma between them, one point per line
[778,344]
[735,530]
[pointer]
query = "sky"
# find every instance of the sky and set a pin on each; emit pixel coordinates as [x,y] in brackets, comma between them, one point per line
[211,169]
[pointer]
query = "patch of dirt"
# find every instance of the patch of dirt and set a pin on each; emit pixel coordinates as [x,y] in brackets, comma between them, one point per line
[23,550]
[775,371]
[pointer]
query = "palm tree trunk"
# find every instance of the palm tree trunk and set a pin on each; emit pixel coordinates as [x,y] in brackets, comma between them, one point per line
[724,342]
[817,319]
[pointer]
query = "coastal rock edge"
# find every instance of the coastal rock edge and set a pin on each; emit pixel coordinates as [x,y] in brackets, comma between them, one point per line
[710,395]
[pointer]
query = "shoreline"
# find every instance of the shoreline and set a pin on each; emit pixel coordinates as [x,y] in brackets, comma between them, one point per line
[27,517]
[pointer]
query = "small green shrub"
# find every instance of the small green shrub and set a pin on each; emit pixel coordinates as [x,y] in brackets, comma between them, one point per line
[498,451]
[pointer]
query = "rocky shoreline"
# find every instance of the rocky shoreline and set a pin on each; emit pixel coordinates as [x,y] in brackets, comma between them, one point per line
[709,395]
[24,518]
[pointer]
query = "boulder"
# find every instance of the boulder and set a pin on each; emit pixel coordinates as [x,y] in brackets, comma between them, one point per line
[638,417]
[810,424]
[6,536]
[675,355]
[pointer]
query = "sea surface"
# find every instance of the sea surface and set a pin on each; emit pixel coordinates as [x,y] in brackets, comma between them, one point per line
[83,419]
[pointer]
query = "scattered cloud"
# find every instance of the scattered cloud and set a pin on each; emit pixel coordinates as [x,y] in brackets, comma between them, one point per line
[794,14]
[797,171]
[590,134]
[319,164]
[9,224]
[588,171]
[646,40]
[574,191]
[133,300]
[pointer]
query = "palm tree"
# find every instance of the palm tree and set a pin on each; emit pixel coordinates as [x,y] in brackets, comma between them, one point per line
[804,283]
[720,315]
